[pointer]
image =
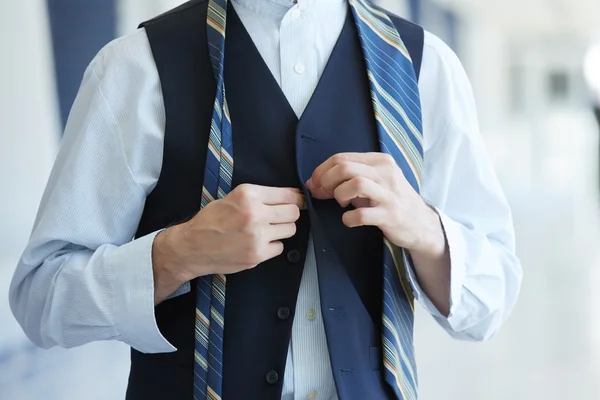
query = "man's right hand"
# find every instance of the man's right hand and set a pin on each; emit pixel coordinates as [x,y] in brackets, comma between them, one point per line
[229,235]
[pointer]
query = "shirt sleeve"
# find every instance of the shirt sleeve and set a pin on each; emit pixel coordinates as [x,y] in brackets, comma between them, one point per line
[82,278]
[460,182]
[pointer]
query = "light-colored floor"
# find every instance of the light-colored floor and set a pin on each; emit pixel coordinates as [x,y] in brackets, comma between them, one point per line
[548,350]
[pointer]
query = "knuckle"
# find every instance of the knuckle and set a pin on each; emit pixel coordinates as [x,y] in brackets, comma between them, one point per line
[289,197]
[254,236]
[338,158]
[248,220]
[346,168]
[245,193]
[388,159]
[361,183]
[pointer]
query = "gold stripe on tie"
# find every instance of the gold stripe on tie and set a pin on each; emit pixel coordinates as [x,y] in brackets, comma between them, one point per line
[201,360]
[398,257]
[367,14]
[216,17]
[212,394]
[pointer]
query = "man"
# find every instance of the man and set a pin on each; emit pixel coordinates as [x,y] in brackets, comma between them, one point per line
[332,191]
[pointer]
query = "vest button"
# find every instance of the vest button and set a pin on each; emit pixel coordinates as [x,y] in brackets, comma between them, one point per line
[283,313]
[272,377]
[293,256]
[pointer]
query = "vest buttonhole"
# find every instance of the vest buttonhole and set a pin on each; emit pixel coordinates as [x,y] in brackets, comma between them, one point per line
[346,371]
[303,136]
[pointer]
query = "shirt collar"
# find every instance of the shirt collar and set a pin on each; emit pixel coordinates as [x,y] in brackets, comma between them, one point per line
[278,8]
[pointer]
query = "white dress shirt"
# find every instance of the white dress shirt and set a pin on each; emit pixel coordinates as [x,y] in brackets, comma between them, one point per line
[82,278]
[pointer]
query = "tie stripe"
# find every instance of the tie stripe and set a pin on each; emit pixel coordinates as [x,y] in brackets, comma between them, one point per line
[397,110]
[211,290]
[396,104]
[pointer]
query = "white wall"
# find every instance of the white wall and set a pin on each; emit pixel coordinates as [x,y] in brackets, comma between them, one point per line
[398,7]
[28,134]
[28,111]
[133,12]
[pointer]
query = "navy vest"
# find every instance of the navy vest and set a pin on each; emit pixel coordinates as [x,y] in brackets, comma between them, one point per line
[272,148]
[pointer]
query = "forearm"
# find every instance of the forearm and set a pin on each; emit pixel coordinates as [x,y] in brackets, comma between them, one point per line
[481,276]
[482,281]
[431,263]
[167,263]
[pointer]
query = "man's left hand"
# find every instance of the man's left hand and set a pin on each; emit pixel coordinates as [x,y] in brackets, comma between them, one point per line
[375,185]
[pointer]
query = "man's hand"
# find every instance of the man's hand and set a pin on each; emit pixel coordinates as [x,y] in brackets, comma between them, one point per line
[374,184]
[229,235]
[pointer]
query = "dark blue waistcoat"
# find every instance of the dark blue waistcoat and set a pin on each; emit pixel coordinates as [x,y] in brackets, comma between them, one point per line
[272,148]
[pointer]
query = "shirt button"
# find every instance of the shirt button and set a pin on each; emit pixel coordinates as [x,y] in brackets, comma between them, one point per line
[312,395]
[293,256]
[272,377]
[311,314]
[296,13]
[299,68]
[283,313]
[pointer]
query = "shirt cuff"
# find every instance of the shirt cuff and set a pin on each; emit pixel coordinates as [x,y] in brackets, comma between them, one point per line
[133,296]
[457,249]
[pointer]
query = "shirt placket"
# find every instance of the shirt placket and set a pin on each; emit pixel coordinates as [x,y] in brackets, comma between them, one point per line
[299,73]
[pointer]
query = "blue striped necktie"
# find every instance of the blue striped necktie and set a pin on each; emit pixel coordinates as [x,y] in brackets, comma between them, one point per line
[396,106]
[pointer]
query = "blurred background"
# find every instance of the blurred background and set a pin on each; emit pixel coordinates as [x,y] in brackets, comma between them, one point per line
[535,70]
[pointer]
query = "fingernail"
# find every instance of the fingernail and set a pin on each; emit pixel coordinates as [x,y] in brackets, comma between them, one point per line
[309,182]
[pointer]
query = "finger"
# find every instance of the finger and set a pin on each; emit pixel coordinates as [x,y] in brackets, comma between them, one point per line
[368,216]
[283,197]
[358,203]
[343,172]
[282,213]
[279,232]
[372,159]
[276,196]
[361,188]
[272,250]
[319,193]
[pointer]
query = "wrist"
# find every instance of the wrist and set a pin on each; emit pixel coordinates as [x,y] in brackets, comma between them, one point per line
[167,261]
[432,243]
